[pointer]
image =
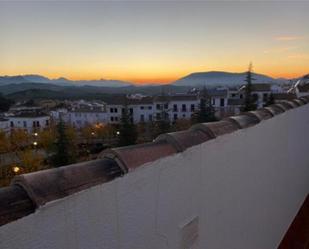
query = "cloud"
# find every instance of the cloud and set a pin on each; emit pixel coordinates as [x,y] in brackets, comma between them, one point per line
[280,50]
[289,38]
[298,56]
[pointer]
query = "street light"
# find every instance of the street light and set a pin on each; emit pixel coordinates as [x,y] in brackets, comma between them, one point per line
[118,132]
[35,134]
[16,169]
[35,143]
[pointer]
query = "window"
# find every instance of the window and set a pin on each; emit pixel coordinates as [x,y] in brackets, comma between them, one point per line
[131,111]
[112,119]
[116,110]
[175,116]
[213,101]
[25,124]
[222,102]
[47,122]
[116,119]
[142,107]
[37,124]
[184,115]
[175,108]
[33,124]
[149,107]
[184,108]
[150,117]
[12,124]
[142,118]
[158,107]
[111,110]
[192,107]
[158,116]
[241,96]
[233,95]
[165,106]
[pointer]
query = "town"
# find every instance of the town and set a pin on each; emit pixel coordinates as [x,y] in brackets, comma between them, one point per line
[28,129]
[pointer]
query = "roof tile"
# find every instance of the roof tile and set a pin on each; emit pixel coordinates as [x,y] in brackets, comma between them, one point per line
[131,157]
[182,140]
[216,128]
[47,185]
[244,120]
[275,109]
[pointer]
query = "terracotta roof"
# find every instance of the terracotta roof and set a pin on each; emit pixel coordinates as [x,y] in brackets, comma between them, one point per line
[304,88]
[122,100]
[281,96]
[235,102]
[261,87]
[30,191]
[175,98]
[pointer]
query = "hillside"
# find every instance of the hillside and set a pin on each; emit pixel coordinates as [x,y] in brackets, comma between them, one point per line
[217,78]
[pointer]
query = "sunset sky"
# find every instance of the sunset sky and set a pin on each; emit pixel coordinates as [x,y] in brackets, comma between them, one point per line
[155,41]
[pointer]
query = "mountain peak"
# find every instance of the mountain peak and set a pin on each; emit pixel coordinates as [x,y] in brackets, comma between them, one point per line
[221,78]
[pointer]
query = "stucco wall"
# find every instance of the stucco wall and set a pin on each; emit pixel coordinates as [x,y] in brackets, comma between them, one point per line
[244,190]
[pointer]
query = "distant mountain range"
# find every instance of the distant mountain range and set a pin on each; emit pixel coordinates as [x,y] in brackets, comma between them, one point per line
[209,79]
[217,78]
[33,78]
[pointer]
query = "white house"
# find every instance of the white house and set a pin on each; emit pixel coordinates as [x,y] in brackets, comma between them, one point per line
[301,87]
[4,125]
[29,121]
[80,117]
[176,106]
[261,93]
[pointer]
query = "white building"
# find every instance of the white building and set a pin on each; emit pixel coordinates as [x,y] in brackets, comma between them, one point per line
[4,125]
[301,87]
[80,117]
[260,92]
[175,106]
[29,121]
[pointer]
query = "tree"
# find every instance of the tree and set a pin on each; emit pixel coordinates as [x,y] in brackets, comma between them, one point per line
[46,138]
[250,104]
[19,139]
[182,124]
[5,103]
[206,112]
[127,129]
[4,142]
[270,100]
[162,123]
[64,147]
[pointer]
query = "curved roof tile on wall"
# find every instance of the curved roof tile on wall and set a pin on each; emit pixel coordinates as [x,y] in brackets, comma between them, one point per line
[30,191]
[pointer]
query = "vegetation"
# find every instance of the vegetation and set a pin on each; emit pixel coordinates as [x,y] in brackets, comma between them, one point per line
[5,103]
[64,149]
[206,112]
[127,129]
[270,100]
[250,104]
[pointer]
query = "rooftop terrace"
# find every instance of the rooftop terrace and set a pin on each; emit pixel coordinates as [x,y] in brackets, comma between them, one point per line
[236,183]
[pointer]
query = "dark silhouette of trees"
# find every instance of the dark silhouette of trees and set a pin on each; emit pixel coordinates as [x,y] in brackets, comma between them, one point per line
[127,129]
[249,104]
[270,100]
[64,147]
[206,112]
[162,123]
[5,103]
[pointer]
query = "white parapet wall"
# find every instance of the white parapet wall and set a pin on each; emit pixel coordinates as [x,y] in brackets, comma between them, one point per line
[238,191]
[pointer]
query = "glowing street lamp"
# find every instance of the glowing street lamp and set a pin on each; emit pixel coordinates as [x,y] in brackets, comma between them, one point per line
[16,169]
[35,134]
[35,143]
[118,132]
